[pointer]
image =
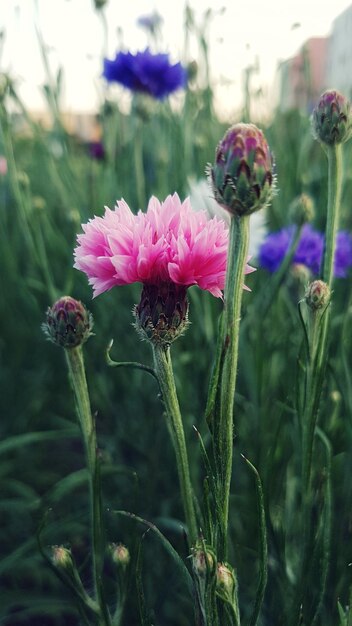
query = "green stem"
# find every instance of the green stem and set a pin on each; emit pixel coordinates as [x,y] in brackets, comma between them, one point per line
[334,154]
[318,335]
[74,357]
[229,336]
[138,163]
[163,368]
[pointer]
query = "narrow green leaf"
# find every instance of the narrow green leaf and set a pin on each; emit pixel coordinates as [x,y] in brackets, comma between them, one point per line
[167,545]
[263,547]
[25,439]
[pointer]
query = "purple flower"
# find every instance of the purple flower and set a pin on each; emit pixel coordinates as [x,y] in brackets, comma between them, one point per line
[150,22]
[274,248]
[309,251]
[96,150]
[343,254]
[145,72]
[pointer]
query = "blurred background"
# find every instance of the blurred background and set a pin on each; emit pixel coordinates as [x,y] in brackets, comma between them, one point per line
[72,142]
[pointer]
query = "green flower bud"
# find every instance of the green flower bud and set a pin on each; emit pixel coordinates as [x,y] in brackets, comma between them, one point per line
[162,314]
[301,210]
[68,323]
[300,273]
[120,554]
[242,176]
[317,295]
[23,179]
[203,559]
[61,557]
[225,582]
[331,119]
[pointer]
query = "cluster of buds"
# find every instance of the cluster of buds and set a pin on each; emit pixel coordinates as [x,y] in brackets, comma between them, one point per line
[331,119]
[317,295]
[68,323]
[242,176]
[162,314]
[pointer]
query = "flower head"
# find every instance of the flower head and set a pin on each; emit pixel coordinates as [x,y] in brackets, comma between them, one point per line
[169,243]
[145,72]
[331,119]
[168,248]
[309,251]
[242,175]
[150,22]
[274,249]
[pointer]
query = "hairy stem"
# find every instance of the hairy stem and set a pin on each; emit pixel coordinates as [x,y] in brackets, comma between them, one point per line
[163,368]
[74,357]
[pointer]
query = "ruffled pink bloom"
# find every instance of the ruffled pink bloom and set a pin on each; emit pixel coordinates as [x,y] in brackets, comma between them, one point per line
[169,243]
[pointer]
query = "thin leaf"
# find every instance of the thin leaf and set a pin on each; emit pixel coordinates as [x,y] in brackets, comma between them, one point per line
[167,545]
[18,441]
[142,605]
[327,524]
[263,547]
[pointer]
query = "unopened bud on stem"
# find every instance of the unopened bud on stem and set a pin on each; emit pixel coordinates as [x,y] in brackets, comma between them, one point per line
[242,176]
[301,210]
[317,295]
[331,118]
[68,323]
[120,554]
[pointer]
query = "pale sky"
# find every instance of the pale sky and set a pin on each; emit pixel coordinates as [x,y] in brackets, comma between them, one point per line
[238,34]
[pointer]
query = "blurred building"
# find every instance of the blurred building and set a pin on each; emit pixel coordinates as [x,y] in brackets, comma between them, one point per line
[339,58]
[322,63]
[303,77]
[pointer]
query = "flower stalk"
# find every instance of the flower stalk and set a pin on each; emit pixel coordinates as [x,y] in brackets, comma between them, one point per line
[163,368]
[332,127]
[229,336]
[75,363]
[334,154]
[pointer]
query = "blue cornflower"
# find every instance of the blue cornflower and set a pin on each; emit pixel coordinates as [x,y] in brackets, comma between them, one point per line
[145,72]
[274,248]
[343,254]
[150,21]
[309,251]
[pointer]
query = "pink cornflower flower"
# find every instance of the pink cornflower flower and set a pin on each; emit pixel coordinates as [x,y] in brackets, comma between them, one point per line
[168,248]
